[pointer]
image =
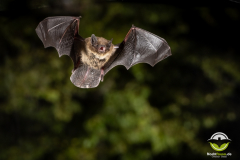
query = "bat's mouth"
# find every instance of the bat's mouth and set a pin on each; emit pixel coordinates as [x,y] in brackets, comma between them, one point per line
[102,49]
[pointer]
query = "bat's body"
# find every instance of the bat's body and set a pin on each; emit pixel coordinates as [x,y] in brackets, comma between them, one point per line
[97,55]
[94,56]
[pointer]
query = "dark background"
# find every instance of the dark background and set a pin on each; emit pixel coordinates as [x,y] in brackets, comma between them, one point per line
[144,113]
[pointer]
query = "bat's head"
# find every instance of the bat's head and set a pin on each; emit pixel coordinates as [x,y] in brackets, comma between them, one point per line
[100,45]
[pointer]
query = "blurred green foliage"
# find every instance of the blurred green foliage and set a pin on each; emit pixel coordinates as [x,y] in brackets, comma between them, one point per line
[168,111]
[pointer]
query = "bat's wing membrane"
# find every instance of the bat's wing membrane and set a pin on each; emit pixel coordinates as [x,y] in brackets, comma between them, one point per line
[59,32]
[139,46]
[62,33]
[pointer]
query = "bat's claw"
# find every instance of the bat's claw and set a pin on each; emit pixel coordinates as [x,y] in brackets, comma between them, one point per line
[73,70]
[102,75]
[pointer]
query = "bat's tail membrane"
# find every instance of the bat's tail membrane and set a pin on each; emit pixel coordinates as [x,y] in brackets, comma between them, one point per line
[86,77]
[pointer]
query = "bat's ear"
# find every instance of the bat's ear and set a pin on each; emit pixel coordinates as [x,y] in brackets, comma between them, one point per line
[93,39]
[110,42]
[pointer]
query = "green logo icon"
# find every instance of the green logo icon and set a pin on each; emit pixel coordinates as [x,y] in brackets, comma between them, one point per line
[219,141]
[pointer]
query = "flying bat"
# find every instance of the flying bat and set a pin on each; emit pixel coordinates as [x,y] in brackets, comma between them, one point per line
[94,56]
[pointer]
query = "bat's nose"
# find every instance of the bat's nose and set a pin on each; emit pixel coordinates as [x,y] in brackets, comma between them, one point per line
[102,48]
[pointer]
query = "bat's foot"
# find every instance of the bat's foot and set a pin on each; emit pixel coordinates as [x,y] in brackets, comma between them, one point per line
[73,70]
[102,75]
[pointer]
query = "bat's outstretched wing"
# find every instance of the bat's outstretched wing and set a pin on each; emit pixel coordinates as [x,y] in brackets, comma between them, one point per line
[62,33]
[139,46]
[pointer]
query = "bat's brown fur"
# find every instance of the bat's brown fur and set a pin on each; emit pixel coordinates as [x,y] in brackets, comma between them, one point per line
[92,57]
